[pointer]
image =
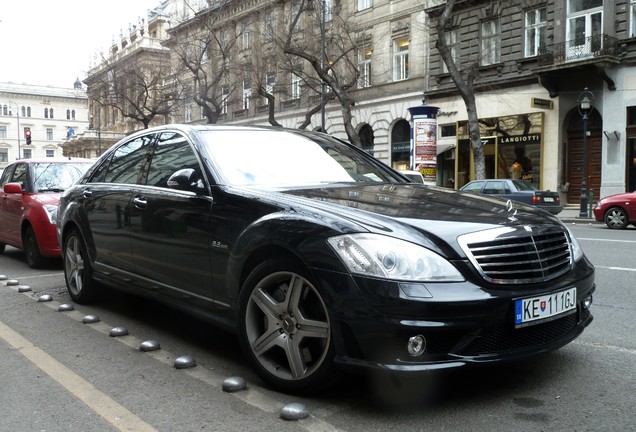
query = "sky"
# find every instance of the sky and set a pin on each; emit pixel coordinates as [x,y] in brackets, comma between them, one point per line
[52,42]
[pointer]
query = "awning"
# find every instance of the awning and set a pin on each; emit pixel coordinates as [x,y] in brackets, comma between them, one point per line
[405,147]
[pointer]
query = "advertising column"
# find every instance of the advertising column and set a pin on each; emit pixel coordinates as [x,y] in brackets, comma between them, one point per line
[424,141]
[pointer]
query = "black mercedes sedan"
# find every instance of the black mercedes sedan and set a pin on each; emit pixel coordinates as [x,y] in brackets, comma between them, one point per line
[318,256]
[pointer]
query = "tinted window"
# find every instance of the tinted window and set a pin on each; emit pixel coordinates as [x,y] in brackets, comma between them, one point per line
[172,153]
[128,160]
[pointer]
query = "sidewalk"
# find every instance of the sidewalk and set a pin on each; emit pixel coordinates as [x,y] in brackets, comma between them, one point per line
[570,214]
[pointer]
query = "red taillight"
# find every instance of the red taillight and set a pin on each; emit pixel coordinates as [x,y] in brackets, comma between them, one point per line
[536,199]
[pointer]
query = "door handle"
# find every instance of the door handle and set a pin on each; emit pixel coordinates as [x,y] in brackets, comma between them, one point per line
[87,193]
[140,202]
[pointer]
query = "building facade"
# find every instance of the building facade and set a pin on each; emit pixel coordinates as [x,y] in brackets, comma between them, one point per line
[533,62]
[51,116]
[540,60]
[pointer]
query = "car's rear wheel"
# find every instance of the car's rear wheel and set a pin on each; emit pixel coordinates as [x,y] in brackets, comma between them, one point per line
[77,269]
[284,328]
[616,218]
[31,249]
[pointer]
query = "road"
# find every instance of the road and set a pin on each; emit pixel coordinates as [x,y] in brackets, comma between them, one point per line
[60,374]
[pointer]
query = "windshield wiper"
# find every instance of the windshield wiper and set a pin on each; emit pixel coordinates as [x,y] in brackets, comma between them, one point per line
[53,189]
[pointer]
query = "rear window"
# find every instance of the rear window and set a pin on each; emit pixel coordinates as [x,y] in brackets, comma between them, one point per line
[523,185]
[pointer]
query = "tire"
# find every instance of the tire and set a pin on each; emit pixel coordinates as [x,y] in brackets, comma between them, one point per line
[77,269]
[616,218]
[31,249]
[286,334]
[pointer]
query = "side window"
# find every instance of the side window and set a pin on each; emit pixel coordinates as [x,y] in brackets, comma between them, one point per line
[20,175]
[5,176]
[473,187]
[128,160]
[493,187]
[172,153]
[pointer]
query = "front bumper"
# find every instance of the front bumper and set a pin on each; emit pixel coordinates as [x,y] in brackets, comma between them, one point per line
[462,324]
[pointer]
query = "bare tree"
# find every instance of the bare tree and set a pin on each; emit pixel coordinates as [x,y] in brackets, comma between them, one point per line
[464,80]
[202,48]
[134,86]
[332,61]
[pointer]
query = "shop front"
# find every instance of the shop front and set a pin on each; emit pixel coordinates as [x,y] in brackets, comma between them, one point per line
[513,148]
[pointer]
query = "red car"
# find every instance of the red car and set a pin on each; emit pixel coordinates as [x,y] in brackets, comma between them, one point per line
[617,211]
[31,190]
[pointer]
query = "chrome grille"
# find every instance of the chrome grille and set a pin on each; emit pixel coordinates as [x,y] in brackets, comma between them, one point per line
[516,255]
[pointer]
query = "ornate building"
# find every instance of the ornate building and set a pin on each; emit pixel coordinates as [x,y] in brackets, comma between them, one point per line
[50,115]
[237,62]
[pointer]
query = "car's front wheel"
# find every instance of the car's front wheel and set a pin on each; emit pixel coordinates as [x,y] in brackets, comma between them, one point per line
[31,249]
[616,218]
[285,329]
[77,269]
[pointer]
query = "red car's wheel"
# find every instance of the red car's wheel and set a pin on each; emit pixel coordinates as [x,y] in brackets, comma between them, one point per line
[32,250]
[616,218]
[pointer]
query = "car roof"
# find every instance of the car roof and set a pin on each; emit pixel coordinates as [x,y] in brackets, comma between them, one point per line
[215,127]
[53,159]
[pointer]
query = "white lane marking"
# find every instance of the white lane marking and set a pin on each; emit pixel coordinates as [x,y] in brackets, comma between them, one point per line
[39,276]
[606,240]
[114,413]
[616,268]
[622,350]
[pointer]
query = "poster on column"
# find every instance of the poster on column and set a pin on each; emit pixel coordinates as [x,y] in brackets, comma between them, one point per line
[425,148]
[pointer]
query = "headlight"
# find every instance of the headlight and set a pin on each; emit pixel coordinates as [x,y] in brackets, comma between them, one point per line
[391,258]
[51,212]
[577,251]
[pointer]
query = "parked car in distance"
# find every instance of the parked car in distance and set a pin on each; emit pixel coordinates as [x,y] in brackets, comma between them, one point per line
[31,190]
[320,257]
[415,176]
[617,211]
[517,190]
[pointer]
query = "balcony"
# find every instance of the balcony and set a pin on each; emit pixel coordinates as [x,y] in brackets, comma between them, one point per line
[589,48]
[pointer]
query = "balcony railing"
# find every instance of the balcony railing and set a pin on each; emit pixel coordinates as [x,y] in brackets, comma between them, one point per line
[579,49]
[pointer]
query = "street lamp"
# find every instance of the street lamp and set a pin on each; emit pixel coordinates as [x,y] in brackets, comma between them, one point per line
[323,57]
[584,105]
[17,115]
[322,64]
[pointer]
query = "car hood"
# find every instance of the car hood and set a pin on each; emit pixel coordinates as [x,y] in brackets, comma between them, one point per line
[413,211]
[47,198]
[620,197]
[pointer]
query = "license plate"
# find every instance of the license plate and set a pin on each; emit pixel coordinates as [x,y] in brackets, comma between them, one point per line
[533,310]
[548,199]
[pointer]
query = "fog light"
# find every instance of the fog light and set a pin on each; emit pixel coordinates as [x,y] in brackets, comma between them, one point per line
[416,345]
[587,302]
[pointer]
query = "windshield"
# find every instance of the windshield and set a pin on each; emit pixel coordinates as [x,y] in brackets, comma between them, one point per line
[56,176]
[284,159]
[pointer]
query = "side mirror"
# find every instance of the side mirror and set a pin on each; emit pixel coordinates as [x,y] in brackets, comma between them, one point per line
[186,179]
[14,188]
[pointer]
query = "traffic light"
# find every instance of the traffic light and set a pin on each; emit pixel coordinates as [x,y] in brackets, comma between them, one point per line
[27,135]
